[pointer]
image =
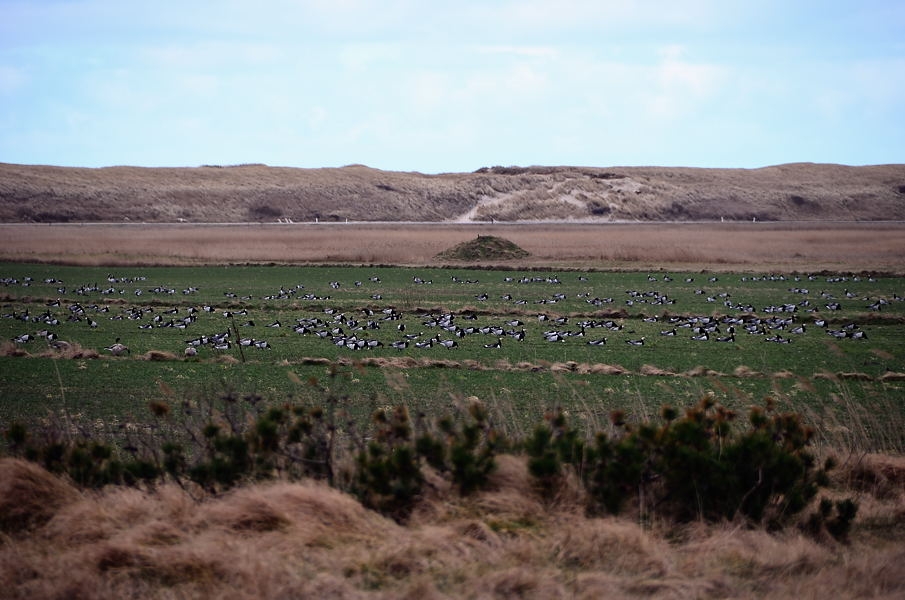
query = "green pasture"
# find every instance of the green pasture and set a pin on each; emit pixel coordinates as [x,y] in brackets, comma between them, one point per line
[839,382]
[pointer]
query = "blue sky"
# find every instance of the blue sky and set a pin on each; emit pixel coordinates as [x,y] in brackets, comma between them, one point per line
[452,86]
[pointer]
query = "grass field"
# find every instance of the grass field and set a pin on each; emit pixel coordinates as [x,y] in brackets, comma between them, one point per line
[847,384]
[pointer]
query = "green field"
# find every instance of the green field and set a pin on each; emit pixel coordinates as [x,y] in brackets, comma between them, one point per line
[847,385]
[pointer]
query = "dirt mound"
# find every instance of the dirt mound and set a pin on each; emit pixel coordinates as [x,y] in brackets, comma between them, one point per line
[484,247]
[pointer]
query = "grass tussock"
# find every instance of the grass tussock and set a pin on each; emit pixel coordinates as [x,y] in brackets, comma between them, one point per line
[159,356]
[746,371]
[304,539]
[653,371]
[8,348]
[29,495]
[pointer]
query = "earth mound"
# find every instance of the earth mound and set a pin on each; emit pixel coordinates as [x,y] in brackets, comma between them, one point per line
[484,247]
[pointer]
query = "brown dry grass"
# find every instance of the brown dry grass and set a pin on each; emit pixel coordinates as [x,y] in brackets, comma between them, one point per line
[306,540]
[719,247]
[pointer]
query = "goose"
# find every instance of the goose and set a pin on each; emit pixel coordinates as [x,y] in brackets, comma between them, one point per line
[668,332]
[600,342]
[448,343]
[728,338]
[703,337]
[400,345]
[517,335]
[190,351]
[59,345]
[638,342]
[117,349]
[497,344]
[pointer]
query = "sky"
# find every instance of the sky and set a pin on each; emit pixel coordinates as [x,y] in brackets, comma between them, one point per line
[436,86]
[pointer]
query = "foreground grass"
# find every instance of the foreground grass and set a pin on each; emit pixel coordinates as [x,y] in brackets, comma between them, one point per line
[307,540]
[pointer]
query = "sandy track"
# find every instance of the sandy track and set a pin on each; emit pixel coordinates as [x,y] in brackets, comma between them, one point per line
[715,246]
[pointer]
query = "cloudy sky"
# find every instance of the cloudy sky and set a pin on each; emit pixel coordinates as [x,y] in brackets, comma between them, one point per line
[437,86]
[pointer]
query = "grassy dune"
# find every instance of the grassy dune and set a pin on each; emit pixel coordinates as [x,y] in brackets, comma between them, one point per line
[258,193]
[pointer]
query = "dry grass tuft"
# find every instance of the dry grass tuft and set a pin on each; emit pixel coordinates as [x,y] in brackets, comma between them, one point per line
[746,371]
[881,475]
[655,371]
[604,369]
[158,355]
[312,512]
[892,376]
[611,545]
[11,349]
[855,376]
[29,495]
[226,359]
[785,374]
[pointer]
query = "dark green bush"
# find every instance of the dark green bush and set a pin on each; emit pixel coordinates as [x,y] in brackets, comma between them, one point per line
[388,475]
[553,445]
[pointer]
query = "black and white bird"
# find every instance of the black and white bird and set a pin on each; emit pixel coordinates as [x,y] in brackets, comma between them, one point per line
[117,349]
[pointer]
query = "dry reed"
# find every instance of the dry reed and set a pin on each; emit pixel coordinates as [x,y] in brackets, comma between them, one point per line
[718,247]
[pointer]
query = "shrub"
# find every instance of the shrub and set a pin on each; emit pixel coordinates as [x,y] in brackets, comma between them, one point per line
[552,446]
[465,449]
[388,476]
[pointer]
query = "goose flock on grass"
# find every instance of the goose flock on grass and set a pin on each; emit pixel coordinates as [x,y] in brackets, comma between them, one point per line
[358,330]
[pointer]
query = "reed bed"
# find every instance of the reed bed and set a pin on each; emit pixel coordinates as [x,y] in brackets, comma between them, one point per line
[691,246]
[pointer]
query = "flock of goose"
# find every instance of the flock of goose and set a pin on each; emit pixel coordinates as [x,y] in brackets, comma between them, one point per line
[355,330]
